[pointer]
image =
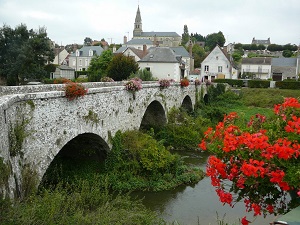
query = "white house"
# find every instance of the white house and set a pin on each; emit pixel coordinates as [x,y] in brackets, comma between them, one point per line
[60,57]
[256,68]
[163,63]
[218,64]
[80,60]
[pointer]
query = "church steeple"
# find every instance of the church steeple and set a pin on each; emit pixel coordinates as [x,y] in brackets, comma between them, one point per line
[137,31]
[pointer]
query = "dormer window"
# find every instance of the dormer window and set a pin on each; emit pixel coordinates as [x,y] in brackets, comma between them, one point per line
[90,52]
[77,52]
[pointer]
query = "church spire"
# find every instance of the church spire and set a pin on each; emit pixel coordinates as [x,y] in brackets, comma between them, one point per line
[137,31]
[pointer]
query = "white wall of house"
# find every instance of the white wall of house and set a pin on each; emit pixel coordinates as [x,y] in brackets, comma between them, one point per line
[260,71]
[61,57]
[216,64]
[163,70]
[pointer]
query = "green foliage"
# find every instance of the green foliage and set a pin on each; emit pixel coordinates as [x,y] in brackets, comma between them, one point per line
[288,84]
[266,98]
[258,83]
[50,68]
[232,82]
[83,203]
[185,36]
[144,75]
[199,55]
[182,132]
[215,39]
[92,116]
[24,54]
[29,181]
[121,67]
[237,56]
[17,135]
[99,65]
[4,175]
[287,53]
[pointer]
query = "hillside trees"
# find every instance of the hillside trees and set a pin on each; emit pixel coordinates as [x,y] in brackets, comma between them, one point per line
[199,55]
[121,67]
[185,36]
[23,54]
[215,39]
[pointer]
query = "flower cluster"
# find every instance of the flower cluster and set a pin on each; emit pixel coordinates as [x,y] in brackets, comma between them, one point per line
[197,82]
[133,85]
[107,79]
[184,82]
[164,83]
[74,90]
[257,162]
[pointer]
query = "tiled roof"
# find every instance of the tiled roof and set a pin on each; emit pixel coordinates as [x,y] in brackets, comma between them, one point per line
[257,61]
[289,62]
[159,34]
[84,51]
[139,42]
[160,54]
[181,51]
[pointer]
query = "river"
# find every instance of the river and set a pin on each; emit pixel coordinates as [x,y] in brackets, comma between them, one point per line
[197,204]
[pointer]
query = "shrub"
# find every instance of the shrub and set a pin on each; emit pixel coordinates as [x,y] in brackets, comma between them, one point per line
[184,82]
[74,90]
[197,82]
[288,84]
[164,83]
[238,83]
[258,83]
[61,80]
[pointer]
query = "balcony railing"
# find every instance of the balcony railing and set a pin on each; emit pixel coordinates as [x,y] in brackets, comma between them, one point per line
[256,71]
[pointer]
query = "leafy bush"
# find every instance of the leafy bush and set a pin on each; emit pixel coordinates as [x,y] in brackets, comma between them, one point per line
[144,75]
[164,83]
[232,82]
[258,83]
[106,79]
[288,84]
[61,80]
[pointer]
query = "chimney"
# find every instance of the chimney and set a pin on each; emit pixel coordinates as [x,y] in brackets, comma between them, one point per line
[155,41]
[114,49]
[144,49]
[125,39]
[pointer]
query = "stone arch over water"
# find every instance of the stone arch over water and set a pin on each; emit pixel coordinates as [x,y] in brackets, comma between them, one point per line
[154,116]
[187,104]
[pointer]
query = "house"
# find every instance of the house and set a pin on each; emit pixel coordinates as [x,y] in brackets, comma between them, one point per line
[61,56]
[163,63]
[261,42]
[186,58]
[138,43]
[256,68]
[285,68]
[81,58]
[162,39]
[218,64]
[63,71]
[133,52]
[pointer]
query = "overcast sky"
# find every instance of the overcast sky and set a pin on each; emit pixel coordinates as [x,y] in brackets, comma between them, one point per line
[70,21]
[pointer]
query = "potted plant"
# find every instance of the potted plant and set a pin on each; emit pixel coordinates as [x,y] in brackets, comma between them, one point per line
[184,82]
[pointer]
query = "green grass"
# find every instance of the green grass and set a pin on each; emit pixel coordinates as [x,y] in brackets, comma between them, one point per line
[266,98]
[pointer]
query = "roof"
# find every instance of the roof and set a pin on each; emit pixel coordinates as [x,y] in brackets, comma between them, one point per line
[121,49]
[160,54]
[139,42]
[257,61]
[288,62]
[181,51]
[138,52]
[261,42]
[64,67]
[84,51]
[159,34]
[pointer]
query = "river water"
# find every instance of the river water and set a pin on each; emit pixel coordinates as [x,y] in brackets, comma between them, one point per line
[197,204]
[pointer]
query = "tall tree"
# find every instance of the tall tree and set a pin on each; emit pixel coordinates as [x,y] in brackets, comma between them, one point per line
[87,41]
[215,39]
[121,67]
[23,54]
[185,36]
[199,55]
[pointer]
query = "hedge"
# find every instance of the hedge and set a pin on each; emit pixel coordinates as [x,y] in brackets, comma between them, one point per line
[238,83]
[288,84]
[258,83]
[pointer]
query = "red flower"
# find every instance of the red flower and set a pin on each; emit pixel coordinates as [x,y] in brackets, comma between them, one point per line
[244,221]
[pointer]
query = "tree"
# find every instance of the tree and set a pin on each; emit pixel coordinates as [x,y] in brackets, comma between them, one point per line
[287,53]
[121,67]
[87,41]
[198,54]
[215,39]
[23,54]
[98,65]
[185,35]
[238,46]
[197,37]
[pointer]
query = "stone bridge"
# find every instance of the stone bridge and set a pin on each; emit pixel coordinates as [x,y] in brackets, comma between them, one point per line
[36,122]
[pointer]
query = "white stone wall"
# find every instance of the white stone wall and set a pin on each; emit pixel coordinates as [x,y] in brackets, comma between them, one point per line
[53,120]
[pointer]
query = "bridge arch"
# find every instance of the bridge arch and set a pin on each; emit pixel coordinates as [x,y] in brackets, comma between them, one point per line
[154,116]
[187,104]
[85,146]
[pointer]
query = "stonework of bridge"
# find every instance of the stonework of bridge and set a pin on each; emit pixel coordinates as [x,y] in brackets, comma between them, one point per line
[36,122]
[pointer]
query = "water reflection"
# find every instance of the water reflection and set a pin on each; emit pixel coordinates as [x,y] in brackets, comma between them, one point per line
[198,204]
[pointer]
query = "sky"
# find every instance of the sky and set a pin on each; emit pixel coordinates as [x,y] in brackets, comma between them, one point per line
[70,21]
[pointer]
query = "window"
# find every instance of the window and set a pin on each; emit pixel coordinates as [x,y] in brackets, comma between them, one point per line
[220,69]
[80,62]
[206,68]
[147,68]
[86,62]
[74,62]
[90,52]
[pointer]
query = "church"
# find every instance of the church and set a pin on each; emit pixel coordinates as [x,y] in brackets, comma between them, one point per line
[160,39]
